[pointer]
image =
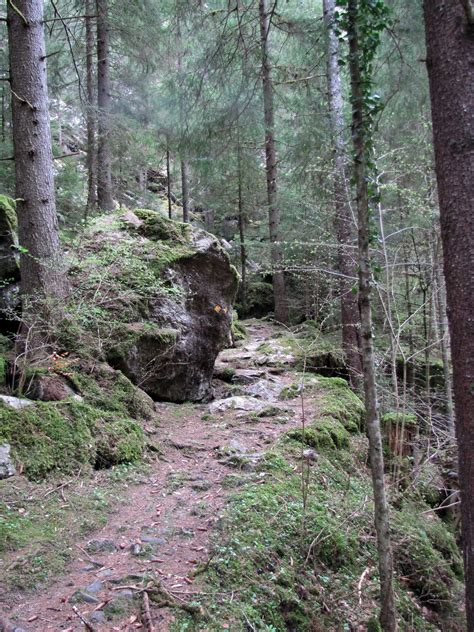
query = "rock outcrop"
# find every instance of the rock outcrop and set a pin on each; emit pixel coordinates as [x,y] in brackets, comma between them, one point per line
[7,467]
[162,305]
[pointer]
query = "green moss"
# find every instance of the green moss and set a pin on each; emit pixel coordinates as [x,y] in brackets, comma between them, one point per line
[284,557]
[336,399]
[48,436]
[397,418]
[340,402]
[260,553]
[373,625]
[166,255]
[323,433]
[227,374]
[258,300]
[239,332]
[427,556]
[291,391]
[158,227]
[110,391]
[119,441]
[8,208]
[67,435]
[5,344]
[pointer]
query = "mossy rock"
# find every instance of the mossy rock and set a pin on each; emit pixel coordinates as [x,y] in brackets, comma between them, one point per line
[290,392]
[239,332]
[154,298]
[305,384]
[118,441]
[325,433]
[68,435]
[111,391]
[340,402]
[8,211]
[157,226]
[259,300]
[9,270]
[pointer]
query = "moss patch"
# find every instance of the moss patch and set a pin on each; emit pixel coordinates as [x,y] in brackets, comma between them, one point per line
[67,435]
[8,209]
[399,419]
[239,332]
[159,227]
[340,402]
[323,433]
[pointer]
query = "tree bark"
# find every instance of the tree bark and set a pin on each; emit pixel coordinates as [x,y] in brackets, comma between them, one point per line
[3,115]
[41,261]
[443,334]
[278,276]
[343,217]
[388,618]
[185,190]
[104,163]
[241,222]
[450,60]
[168,180]
[91,112]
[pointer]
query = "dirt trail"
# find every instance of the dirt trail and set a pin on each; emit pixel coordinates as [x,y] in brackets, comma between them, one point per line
[162,527]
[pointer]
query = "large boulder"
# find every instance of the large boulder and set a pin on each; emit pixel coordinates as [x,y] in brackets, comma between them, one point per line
[159,297]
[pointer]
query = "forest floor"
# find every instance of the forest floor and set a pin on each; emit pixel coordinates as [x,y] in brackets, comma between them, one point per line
[109,536]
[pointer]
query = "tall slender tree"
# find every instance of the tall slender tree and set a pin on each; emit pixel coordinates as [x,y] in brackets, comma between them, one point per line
[91,109]
[450,59]
[359,65]
[104,161]
[41,261]
[278,275]
[343,216]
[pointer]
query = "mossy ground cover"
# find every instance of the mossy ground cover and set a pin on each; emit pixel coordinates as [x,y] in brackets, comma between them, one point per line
[295,540]
[339,413]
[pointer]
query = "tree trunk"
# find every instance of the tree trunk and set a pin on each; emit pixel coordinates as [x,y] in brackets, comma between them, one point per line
[388,618]
[241,222]
[279,288]
[343,217]
[41,262]
[3,115]
[91,112]
[450,59]
[168,181]
[185,190]
[104,174]
[443,334]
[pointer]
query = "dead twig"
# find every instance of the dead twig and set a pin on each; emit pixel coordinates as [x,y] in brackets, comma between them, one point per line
[91,559]
[88,626]
[361,582]
[146,618]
